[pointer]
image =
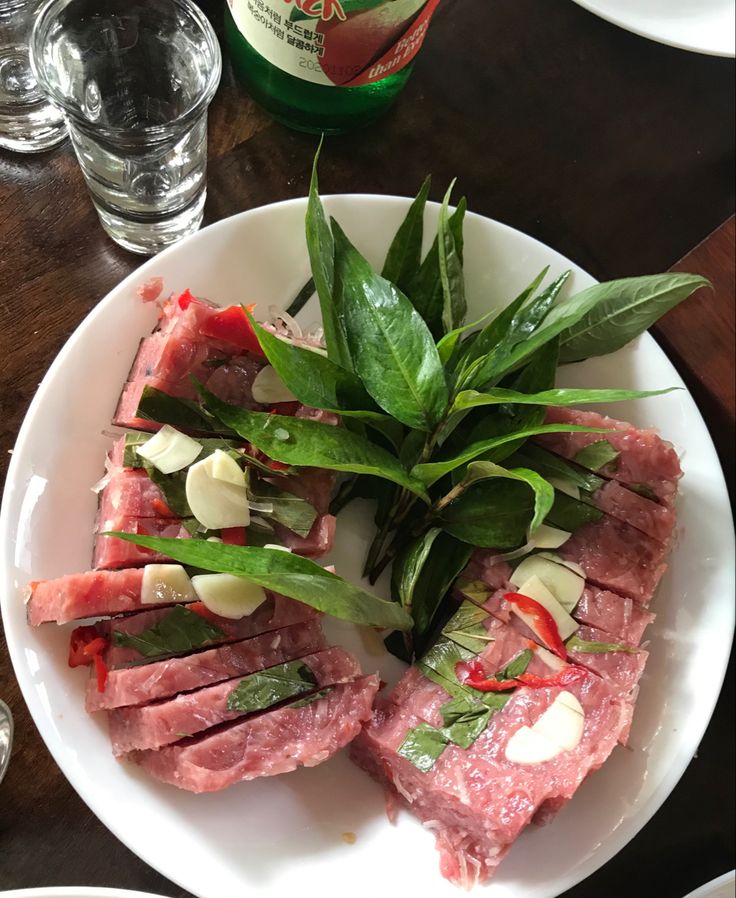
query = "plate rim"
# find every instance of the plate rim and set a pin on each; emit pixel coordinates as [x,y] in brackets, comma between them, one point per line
[593,7]
[616,840]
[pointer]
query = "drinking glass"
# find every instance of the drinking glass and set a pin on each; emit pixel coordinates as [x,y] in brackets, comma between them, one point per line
[134,78]
[28,122]
[6,737]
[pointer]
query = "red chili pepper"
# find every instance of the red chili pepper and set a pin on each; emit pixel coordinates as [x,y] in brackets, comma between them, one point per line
[85,644]
[565,677]
[101,671]
[544,623]
[232,325]
[287,409]
[186,299]
[202,610]
[233,536]
[471,673]
[161,508]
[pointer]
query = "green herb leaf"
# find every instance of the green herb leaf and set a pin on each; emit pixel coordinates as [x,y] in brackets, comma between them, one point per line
[183,414]
[452,279]
[180,630]
[465,627]
[492,514]
[496,396]
[302,298]
[596,456]
[315,696]
[443,656]
[425,290]
[575,644]
[300,441]
[285,573]
[624,309]
[517,666]
[392,350]
[464,720]
[549,465]
[448,345]
[404,254]
[430,472]
[173,489]
[422,746]
[569,514]
[321,248]
[289,510]
[268,687]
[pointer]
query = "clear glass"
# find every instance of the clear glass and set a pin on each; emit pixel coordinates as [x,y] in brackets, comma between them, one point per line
[134,78]
[28,122]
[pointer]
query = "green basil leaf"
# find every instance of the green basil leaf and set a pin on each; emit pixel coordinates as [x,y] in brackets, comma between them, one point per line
[183,414]
[425,290]
[569,514]
[494,514]
[544,494]
[624,309]
[517,666]
[404,254]
[430,472]
[563,397]
[180,630]
[465,627]
[596,456]
[642,489]
[301,441]
[443,656]
[287,509]
[392,350]
[173,489]
[575,644]
[321,248]
[282,572]
[549,465]
[302,298]
[449,344]
[452,279]
[464,721]
[422,746]
[315,696]
[268,687]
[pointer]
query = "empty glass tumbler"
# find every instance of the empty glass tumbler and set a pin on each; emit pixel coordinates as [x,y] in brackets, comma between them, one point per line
[28,122]
[134,79]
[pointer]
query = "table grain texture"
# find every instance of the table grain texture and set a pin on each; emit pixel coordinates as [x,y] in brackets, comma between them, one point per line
[616,151]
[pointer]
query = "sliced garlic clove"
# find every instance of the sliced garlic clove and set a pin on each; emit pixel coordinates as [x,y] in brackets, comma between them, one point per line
[268,388]
[564,584]
[535,589]
[217,502]
[165,583]
[227,595]
[169,451]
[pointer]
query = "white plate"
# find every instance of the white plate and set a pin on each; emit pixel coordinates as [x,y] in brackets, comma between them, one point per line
[276,837]
[74,892]
[705,26]
[722,887]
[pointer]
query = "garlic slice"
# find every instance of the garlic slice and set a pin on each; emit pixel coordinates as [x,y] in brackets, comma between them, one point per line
[269,388]
[227,595]
[565,486]
[564,584]
[560,728]
[169,451]
[546,537]
[216,493]
[165,583]
[535,589]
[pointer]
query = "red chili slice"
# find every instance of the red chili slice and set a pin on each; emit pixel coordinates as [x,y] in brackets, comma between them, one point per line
[565,677]
[471,673]
[234,536]
[545,625]
[85,644]
[101,671]
[185,299]
[232,325]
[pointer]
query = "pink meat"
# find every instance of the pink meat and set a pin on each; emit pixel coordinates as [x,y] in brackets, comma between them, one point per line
[162,723]
[657,521]
[90,594]
[269,744]
[618,558]
[645,458]
[130,492]
[276,612]
[162,679]
[616,615]
[313,484]
[621,670]
[474,800]
[317,542]
[111,553]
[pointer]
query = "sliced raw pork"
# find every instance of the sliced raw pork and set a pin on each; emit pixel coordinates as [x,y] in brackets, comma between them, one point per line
[162,679]
[645,460]
[91,594]
[266,745]
[111,553]
[164,722]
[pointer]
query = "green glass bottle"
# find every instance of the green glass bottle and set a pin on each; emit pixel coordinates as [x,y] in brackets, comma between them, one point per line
[325,65]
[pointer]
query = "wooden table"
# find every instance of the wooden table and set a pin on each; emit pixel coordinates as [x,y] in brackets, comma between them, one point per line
[616,151]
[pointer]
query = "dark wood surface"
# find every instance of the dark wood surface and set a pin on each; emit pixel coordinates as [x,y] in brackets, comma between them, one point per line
[616,151]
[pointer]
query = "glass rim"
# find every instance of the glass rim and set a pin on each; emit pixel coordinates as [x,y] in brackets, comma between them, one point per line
[46,16]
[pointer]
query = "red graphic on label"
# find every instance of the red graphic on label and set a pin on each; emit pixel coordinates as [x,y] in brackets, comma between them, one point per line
[374,43]
[321,9]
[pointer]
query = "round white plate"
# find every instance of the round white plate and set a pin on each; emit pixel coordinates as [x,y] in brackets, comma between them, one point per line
[275,837]
[722,887]
[75,892]
[705,26]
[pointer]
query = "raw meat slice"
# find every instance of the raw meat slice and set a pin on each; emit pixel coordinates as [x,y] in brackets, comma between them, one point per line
[275,742]
[162,679]
[657,521]
[475,800]
[276,612]
[317,542]
[162,723]
[621,670]
[646,461]
[111,553]
[90,594]
[130,493]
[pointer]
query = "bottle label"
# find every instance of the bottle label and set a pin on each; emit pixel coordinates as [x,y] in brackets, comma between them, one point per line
[343,43]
